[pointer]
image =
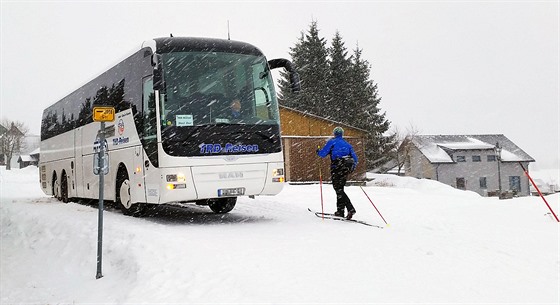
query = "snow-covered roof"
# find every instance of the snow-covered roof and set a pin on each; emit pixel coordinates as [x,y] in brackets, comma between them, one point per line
[440,148]
[26,158]
[466,144]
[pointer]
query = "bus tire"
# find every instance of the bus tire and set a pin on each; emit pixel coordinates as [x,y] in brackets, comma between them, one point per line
[222,205]
[122,195]
[55,186]
[63,188]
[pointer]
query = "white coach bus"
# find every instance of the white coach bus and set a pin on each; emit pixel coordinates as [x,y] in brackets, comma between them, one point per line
[175,137]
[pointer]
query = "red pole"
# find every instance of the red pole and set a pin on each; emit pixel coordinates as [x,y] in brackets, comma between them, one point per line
[539,191]
[373,205]
[321,188]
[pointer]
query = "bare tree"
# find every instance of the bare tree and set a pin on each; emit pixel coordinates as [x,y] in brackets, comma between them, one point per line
[404,140]
[12,139]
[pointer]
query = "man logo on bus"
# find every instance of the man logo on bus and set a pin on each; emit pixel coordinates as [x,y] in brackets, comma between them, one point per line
[121,127]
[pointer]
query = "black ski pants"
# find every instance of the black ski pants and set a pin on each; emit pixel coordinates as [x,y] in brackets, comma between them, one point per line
[339,175]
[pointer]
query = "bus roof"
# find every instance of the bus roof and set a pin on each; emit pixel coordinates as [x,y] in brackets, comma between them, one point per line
[199,44]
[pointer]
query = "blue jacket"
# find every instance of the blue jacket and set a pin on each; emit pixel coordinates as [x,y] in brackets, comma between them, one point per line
[340,148]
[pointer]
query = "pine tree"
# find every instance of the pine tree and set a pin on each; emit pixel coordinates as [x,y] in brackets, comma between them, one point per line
[338,87]
[285,96]
[338,82]
[365,94]
[309,57]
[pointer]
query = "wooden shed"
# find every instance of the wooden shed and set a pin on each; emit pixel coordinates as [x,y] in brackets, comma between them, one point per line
[302,133]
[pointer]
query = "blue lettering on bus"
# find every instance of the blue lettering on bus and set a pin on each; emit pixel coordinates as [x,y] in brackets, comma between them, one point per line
[120,140]
[228,148]
[210,148]
[217,149]
[231,148]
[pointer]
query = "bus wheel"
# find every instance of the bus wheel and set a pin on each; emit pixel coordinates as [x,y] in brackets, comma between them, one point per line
[123,196]
[64,188]
[222,205]
[55,187]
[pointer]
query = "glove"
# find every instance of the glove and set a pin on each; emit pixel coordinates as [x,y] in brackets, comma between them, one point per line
[353,167]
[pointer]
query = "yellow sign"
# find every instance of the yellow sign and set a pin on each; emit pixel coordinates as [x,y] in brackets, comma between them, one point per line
[103,114]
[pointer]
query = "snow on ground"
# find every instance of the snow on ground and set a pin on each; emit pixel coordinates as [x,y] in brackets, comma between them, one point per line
[443,246]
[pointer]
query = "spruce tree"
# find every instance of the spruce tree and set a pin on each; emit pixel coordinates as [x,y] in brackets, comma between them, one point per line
[285,95]
[368,115]
[338,87]
[309,57]
[338,82]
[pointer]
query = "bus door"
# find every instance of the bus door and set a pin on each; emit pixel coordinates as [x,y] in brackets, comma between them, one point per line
[77,185]
[149,142]
[137,182]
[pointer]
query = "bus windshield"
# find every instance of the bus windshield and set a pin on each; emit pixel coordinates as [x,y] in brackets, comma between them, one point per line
[218,98]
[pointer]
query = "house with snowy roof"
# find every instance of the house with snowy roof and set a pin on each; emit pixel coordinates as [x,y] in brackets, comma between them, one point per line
[29,159]
[490,165]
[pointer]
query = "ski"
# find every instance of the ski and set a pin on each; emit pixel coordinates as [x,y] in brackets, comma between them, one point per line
[333,217]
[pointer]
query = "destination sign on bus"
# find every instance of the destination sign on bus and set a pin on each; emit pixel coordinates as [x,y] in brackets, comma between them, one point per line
[103,114]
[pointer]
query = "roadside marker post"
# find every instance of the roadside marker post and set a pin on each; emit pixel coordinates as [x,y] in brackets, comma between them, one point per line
[101,114]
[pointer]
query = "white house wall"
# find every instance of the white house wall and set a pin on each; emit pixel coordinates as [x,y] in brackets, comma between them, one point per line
[418,165]
[471,171]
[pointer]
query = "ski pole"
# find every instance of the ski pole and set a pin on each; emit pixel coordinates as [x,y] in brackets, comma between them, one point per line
[321,188]
[539,191]
[374,205]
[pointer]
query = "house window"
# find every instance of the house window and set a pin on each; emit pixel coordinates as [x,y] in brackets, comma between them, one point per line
[491,158]
[482,181]
[515,183]
[476,159]
[461,184]
[461,159]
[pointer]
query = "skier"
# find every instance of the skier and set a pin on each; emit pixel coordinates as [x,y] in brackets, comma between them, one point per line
[343,162]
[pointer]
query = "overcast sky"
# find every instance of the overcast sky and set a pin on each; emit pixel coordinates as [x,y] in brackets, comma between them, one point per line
[443,67]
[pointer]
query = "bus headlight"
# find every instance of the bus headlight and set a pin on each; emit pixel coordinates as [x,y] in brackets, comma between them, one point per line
[278,175]
[175,178]
[177,181]
[172,186]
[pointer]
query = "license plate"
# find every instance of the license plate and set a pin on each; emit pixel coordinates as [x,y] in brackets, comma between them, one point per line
[237,191]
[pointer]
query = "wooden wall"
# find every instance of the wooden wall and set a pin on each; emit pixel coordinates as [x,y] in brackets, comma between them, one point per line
[302,134]
[296,123]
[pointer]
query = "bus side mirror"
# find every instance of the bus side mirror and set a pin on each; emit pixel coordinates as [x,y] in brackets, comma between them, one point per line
[158,71]
[295,82]
[286,64]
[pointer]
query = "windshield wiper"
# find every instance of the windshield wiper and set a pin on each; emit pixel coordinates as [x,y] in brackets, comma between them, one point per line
[269,138]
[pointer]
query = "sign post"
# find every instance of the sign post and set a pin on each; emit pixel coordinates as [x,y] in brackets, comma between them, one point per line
[101,114]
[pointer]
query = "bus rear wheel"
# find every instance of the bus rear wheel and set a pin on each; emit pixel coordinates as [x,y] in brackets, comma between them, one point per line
[123,196]
[222,205]
[55,186]
[63,188]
